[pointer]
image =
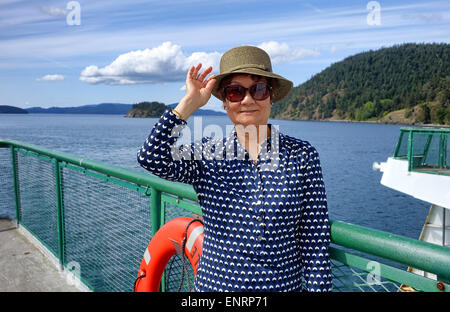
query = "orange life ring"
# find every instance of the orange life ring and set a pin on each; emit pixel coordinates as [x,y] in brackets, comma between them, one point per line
[183,231]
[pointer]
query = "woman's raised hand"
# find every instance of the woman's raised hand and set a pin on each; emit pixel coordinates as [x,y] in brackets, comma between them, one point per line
[198,90]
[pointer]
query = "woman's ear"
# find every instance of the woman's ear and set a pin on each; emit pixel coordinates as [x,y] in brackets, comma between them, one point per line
[224,105]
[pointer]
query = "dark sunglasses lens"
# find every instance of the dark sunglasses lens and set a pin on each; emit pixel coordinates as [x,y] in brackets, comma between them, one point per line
[235,93]
[260,91]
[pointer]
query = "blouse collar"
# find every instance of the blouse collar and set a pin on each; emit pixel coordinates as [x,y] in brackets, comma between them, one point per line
[270,147]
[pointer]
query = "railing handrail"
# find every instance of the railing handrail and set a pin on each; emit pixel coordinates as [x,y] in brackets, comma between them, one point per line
[426,129]
[140,178]
[414,253]
[418,254]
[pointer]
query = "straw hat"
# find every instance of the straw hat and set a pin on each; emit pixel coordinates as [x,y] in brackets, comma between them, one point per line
[250,60]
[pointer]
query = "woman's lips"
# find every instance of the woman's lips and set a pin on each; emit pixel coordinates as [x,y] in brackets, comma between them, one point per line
[248,112]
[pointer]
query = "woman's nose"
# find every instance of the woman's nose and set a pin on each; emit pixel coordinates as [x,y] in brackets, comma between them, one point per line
[247,98]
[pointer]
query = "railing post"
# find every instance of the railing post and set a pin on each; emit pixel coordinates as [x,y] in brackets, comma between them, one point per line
[398,145]
[16,185]
[155,209]
[410,150]
[442,151]
[59,212]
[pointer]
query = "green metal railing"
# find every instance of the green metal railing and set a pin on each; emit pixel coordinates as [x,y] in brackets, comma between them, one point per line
[102,218]
[426,149]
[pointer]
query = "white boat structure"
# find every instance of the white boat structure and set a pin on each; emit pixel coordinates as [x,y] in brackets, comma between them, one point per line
[420,168]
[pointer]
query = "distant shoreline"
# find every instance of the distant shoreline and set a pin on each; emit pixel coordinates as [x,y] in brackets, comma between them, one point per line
[206,115]
[380,122]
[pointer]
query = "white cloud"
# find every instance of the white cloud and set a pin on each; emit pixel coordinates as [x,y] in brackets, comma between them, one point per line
[282,53]
[55,77]
[164,63]
[167,63]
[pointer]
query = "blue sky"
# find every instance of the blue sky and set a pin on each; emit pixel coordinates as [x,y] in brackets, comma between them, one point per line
[132,51]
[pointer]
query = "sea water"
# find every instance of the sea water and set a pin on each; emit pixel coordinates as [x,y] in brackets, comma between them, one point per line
[347,151]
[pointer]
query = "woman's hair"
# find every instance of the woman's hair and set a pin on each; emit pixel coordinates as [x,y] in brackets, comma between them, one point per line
[226,81]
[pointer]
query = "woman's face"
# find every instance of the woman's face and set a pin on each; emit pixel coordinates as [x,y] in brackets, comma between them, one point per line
[248,111]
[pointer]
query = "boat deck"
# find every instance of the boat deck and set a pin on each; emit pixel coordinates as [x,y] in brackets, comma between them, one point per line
[23,267]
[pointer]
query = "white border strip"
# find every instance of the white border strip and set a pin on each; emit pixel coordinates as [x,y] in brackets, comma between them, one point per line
[194,234]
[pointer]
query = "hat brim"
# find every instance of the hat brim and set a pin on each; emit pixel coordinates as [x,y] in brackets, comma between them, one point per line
[279,92]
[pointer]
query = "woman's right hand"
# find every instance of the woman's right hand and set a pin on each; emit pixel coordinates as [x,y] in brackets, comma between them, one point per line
[198,90]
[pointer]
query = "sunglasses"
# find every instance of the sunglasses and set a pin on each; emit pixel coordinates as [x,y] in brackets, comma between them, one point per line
[236,93]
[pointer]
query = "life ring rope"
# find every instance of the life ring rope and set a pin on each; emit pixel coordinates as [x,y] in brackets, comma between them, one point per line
[178,236]
[188,243]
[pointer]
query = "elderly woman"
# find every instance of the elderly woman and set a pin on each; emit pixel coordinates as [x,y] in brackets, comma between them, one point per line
[262,195]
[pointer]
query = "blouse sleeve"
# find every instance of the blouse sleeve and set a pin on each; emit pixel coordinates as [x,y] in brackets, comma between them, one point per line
[315,227]
[160,156]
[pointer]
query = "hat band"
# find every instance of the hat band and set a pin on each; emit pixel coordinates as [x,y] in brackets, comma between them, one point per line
[258,66]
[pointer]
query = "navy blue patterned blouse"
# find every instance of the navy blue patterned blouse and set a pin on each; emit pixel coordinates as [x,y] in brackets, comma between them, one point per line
[266,223]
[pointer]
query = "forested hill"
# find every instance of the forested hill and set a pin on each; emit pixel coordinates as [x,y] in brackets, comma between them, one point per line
[155,109]
[408,83]
[6,109]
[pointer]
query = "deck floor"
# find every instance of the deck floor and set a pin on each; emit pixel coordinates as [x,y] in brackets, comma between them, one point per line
[24,268]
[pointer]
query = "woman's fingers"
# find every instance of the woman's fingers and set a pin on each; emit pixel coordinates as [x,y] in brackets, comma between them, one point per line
[209,84]
[208,80]
[204,73]
[196,69]
[189,74]
[195,80]
[193,73]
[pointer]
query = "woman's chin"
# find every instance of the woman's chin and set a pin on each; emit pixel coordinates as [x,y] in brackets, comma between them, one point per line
[247,121]
[248,118]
